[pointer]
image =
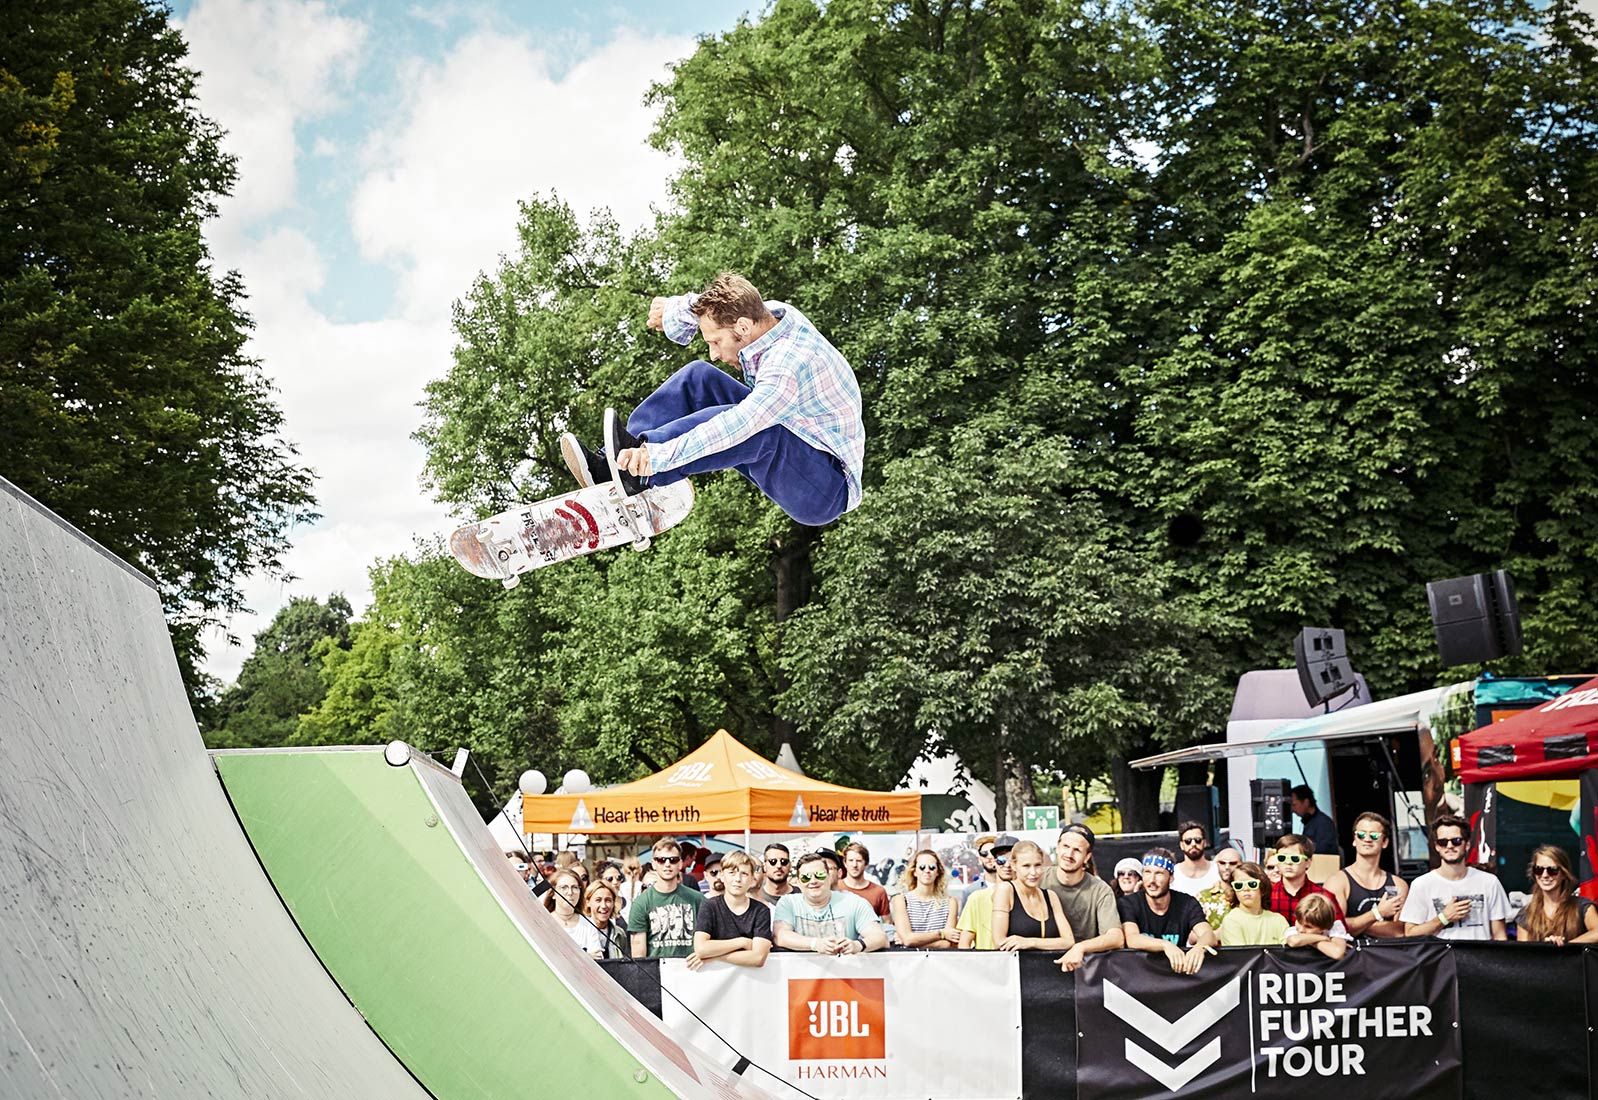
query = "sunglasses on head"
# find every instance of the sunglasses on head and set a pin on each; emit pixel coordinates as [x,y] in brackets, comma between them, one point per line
[1450,841]
[668,859]
[1291,857]
[1245,884]
[1361,834]
[1553,872]
[780,861]
[807,876]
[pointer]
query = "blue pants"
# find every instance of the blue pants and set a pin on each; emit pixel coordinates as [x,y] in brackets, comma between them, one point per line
[806,482]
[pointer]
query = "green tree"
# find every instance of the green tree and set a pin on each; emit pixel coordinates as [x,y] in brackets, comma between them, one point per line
[281,679]
[127,403]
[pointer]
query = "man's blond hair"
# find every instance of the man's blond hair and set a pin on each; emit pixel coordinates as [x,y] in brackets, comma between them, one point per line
[729,297]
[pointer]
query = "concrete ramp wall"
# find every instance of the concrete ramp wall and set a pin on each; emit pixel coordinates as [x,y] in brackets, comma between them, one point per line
[142,952]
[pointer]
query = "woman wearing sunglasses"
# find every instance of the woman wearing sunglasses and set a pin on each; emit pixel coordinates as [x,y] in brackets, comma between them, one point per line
[611,874]
[1027,917]
[1555,913]
[1251,924]
[924,915]
[1128,877]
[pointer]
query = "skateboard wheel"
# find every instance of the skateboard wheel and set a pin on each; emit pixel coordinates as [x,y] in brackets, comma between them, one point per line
[641,545]
[510,582]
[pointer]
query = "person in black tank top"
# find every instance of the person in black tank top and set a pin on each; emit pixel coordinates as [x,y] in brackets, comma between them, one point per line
[1027,917]
[1370,910]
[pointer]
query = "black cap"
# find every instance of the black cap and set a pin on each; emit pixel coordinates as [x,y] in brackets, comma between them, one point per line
[1005,843]
[831,857]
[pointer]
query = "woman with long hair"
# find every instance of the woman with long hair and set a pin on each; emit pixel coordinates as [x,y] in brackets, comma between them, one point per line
[564,900]
[599,903]
[924,915]
[1555,913]
[1027,917]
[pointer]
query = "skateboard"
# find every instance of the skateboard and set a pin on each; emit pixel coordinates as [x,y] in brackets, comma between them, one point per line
[531,536]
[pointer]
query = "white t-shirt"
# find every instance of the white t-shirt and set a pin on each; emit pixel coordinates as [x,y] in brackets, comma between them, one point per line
[1194,886]
[586,936]
[1429,893]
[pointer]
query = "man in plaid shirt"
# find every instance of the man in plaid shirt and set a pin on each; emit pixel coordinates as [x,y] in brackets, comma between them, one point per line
[794,429]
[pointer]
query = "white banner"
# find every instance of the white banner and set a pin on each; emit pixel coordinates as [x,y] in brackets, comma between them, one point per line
[875,1025]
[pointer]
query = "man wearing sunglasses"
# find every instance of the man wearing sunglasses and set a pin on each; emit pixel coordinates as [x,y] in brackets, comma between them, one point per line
[1293,853]
[976,915]
[775,868]
[1371,895]
[822,920]
[661,919]
[985,877]
[1456,901]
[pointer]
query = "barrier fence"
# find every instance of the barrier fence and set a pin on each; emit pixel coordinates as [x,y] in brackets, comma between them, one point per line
[1411,1019]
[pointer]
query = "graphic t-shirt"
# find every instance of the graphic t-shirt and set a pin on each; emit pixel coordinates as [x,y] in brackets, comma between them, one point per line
[1172,926]
[1429,893]
[667,920]
[719,922]
[841,918]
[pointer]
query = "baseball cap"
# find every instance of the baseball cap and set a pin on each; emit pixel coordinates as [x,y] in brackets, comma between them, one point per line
[1005,843]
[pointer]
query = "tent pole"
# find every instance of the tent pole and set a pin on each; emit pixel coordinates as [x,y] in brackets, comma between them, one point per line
[746,838]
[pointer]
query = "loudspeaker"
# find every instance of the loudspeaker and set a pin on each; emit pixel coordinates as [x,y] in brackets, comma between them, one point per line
[1202,803]
[1321,655]
[1476,618]
[1272,813]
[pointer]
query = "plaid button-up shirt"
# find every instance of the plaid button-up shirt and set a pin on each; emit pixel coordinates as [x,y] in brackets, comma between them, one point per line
[796,379]
[1284,903]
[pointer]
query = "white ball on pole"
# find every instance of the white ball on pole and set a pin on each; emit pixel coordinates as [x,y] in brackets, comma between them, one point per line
[533,782]
[577,782]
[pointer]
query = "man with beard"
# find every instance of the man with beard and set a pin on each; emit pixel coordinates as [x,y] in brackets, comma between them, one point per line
[775,875]
[1087,900]
[1456,901]
[976,915]
[1161,922]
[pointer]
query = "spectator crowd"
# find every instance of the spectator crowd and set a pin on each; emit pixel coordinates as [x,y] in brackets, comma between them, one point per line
[1180,905]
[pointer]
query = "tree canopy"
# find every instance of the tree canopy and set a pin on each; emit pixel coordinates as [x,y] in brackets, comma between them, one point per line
[127,403]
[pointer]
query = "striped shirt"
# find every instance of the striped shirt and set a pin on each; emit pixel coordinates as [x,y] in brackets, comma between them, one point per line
[796,379]
[926,914]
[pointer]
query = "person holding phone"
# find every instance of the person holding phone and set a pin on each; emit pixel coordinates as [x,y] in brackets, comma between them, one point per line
[1456,901]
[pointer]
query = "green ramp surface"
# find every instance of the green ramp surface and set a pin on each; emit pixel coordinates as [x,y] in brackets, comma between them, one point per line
[394,880]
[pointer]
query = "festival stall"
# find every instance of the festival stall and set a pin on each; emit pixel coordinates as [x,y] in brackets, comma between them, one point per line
[722,787]
[1531,776]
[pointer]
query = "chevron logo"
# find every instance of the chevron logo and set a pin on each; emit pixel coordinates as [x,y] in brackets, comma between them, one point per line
[1173,1035]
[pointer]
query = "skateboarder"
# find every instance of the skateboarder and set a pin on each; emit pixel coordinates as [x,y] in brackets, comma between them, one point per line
[794,429]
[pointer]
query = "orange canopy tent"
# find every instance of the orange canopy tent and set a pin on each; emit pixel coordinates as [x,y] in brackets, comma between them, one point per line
[722,787]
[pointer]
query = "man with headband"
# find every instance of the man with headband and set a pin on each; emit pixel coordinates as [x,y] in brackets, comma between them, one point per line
[1164,923]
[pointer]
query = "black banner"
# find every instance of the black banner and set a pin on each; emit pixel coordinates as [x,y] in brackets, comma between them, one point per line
[1267,1023]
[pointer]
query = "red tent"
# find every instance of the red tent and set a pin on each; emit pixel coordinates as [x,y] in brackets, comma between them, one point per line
[1560,737]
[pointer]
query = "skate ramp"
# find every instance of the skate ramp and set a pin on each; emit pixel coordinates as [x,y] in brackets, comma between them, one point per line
[142,952]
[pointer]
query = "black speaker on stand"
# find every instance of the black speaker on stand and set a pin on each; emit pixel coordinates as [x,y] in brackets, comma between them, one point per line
[1476,618]
[1272,813]
[1200,802]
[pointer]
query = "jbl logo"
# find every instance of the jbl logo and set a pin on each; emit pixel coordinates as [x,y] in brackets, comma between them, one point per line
[690,775]
[836,1018]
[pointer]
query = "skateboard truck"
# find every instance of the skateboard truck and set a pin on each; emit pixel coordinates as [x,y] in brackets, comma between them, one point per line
[485,535]
[632,520]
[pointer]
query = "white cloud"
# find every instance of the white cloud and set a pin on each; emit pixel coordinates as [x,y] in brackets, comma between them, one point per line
[264,66]
[482,127]
[492,124]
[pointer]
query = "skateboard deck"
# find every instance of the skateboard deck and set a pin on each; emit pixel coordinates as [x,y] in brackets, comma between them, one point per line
[531,536]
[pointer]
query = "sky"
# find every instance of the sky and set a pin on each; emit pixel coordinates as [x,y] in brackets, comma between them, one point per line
[382,149]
